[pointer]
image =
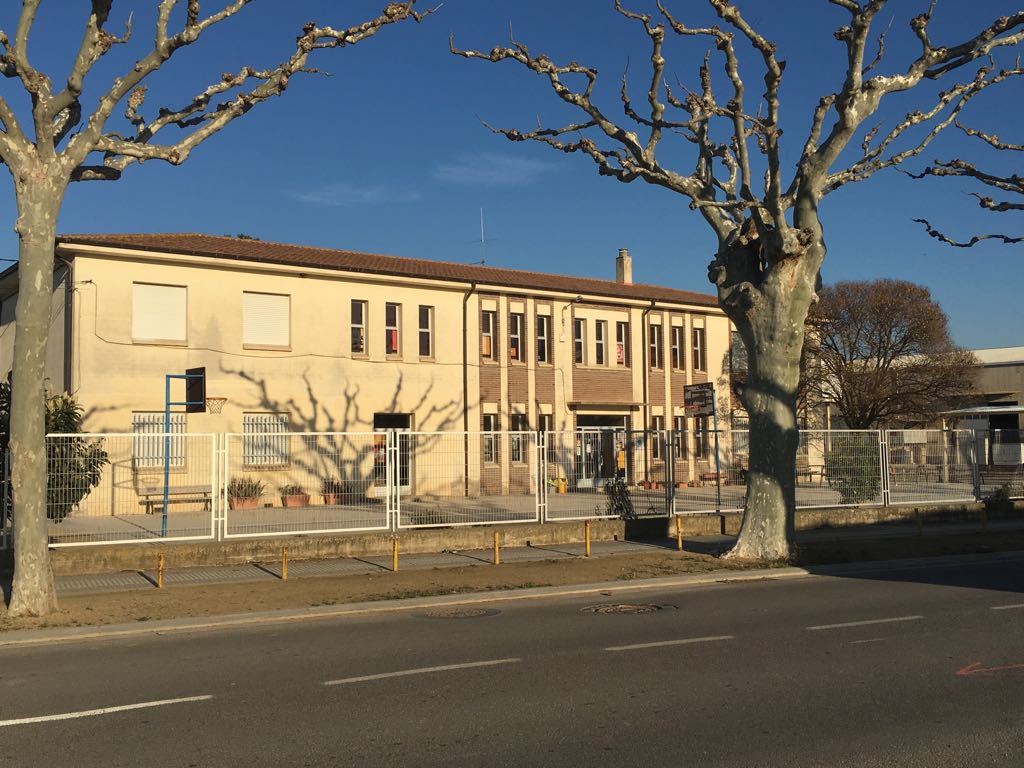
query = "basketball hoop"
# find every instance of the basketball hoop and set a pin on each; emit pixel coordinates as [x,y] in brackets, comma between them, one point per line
[215,404]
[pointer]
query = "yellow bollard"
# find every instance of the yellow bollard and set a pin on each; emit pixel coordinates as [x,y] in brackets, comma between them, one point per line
[284,563]
[679,533]
[160,571]
[586,535]
[394,554]
[497,548]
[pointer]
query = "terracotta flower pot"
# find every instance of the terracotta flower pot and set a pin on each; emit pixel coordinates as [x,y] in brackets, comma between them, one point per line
[243,502]
[296,500]
[333,499]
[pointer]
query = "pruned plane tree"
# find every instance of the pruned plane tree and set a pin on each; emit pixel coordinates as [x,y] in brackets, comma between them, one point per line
[764,214]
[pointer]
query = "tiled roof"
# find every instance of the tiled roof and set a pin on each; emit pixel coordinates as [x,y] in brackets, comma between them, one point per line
[243,249]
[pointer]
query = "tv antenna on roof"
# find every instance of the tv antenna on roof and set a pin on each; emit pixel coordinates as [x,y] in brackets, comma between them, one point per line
[483,241]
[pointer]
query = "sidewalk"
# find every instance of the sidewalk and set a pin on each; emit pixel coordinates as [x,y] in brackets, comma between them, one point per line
[271,571]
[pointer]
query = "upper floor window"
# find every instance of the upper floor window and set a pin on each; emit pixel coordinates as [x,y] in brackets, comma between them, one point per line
[543,339]
[600,342]
[392,329]
[657,352]
[488,327]
[579,341]
[159,313]
[266,320]
[700,353]
[358,327]
[622,344]
[426,331]
[515,337]
[678,355]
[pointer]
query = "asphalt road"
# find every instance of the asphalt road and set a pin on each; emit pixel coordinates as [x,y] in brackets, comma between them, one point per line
[920,667]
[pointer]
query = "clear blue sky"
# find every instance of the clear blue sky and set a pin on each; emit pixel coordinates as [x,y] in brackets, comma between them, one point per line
[388,154]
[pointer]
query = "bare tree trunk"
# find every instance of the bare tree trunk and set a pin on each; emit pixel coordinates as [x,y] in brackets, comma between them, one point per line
[772,328]
[39,201]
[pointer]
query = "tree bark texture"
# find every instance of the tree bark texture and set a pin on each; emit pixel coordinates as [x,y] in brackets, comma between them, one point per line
[39,198]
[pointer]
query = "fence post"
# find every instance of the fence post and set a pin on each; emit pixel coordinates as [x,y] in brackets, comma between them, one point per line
[883,465]
[976,464]
[670,474]
[542,477]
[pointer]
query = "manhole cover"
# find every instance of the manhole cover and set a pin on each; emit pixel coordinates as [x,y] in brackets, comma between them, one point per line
[460,613]
[626,608]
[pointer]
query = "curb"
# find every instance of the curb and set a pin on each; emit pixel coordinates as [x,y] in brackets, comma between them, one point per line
[39,637]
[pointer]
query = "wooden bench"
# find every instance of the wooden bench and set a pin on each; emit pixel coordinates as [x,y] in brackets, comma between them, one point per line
[810,471]
[152,496]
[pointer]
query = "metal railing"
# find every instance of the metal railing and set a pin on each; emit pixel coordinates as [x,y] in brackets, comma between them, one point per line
[110,488]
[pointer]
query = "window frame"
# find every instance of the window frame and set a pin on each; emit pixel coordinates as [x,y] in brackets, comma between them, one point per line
[601,342]
[700,353]
[701,441]
[183,341]
[488,335]
[657,428]
[544,339]
[579,341]
[656,357]
[428,330]
[679,437]
[678,348]
[622,343]
[516,341]
[361,326]
[393,332]
[519,423]
[260,345]
[489,438]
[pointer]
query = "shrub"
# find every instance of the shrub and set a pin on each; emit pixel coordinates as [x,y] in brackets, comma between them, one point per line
[245,488]
[852,469]
[292,490]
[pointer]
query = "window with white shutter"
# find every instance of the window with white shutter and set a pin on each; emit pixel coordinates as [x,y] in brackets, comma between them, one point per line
[148,440]
[262,443]
[266,320]
[159,313]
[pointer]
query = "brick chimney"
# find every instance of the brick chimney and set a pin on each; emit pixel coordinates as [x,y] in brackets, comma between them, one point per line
[624,267]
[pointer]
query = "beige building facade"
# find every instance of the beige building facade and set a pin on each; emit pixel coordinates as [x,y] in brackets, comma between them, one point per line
[302,339]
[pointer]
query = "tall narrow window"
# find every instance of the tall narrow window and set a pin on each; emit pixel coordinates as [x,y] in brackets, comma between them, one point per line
[702,446]
[490,438]
[515,337]
[679,437]
[546,424]
[158,313]
[358,327]
[600,342]
[622,344]
[517,440]
[657,353]
[488,323]
[543,337]
[392,329]
[261,445]
[266,320]
[426,331]
[657,428]
[148,440]
[700,354]
[678,356]
[579,342]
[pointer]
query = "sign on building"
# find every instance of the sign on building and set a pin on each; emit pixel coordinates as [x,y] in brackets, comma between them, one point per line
[699,399]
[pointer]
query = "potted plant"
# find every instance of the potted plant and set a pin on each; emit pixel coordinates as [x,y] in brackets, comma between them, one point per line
[244,493]
[335,490]
[294,496]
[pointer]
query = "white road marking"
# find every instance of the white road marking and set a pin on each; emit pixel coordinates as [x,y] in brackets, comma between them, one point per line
[421,671]
[871,640]
[1007,607]
[103,711]
[864,623]
[686,641]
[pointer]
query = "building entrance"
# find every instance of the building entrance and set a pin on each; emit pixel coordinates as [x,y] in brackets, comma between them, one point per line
[600,452]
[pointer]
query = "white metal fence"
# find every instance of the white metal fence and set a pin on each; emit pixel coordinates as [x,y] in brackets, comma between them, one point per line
[150,486]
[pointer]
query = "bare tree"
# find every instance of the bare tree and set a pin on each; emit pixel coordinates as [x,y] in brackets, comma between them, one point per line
[770,240]
[1009,184]
[62,145]
[883,354]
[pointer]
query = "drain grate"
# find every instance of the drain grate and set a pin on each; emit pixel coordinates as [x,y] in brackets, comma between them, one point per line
[630,608]
[459,613]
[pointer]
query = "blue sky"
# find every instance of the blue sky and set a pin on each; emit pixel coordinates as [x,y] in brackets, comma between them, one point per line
[388,154]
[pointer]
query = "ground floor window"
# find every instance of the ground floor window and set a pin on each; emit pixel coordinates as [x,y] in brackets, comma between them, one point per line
[148,440]
[261,447]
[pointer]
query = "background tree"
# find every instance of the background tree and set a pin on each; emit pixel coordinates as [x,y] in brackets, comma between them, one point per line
[883,355]
[1008,185]
[60,143]
[771,244]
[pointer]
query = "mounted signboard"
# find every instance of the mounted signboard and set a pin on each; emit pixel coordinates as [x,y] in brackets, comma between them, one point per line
[699,399]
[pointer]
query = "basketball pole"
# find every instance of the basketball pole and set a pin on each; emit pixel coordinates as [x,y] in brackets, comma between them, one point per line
[189,405]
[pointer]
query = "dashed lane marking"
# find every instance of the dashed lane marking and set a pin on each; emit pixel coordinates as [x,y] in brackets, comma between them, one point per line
[663,643]
[864,623]
[421,671]
[103,711]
